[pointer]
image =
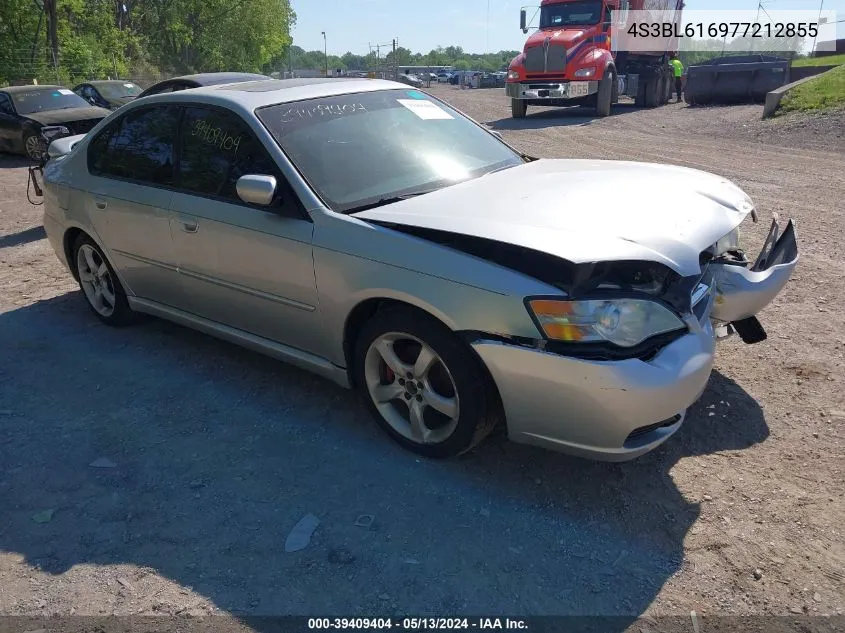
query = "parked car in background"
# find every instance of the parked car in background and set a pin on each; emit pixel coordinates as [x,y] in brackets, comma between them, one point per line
[443,77]
[24,110]
[396,246]
[197,81]
[111,93]
[411,80]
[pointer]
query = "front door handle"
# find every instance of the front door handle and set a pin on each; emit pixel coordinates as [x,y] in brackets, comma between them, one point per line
[100,203]
[190,227]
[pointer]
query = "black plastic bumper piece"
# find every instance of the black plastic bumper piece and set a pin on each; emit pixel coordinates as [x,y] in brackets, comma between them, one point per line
[750,330]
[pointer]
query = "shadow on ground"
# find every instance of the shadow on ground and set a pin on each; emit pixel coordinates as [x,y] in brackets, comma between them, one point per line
[23,237]
[14,160]
[219,452]
[556,117]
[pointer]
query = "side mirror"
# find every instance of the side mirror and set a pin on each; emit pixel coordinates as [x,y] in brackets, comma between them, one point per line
[256,189]
[497,134]
[523,21]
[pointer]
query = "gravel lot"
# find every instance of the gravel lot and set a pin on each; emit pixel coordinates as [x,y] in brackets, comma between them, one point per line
[209,454]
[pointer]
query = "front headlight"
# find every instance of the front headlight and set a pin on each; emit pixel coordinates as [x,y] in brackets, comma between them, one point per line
[728,243]
[623,322]
[586,72]
[512,74]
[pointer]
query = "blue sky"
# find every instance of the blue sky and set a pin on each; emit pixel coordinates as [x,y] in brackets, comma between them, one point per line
[422,25]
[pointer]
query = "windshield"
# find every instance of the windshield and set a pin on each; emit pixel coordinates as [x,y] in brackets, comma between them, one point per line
[570,14]
[359,149]
[43,99]
[119,90]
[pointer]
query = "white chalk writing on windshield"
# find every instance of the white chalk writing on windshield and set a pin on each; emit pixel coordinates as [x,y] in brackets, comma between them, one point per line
[302,113]
[216,136]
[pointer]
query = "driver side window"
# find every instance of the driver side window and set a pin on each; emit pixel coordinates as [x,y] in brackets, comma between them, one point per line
[6,105]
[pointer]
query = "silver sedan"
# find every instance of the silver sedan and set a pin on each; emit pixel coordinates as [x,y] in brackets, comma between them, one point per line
[370,233]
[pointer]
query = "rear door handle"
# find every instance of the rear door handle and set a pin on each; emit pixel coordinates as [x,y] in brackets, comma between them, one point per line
[190,227]
[100,203]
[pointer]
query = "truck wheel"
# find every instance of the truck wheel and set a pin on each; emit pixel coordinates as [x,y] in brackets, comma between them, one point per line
[663,90]
[604,98]
[518,108]
[652,98]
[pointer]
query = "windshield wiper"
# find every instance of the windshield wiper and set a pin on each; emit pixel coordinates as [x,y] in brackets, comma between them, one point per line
[389,200]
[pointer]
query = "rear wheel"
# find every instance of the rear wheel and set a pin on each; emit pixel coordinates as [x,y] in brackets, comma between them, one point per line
[652,93]
[99,284]
[423,385]
[519,108]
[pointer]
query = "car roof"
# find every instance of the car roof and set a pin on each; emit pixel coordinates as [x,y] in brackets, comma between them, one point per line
[212,79]
[256,94]
[103,82]
[16,89]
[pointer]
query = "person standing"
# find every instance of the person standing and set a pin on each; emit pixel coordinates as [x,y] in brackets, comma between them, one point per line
[678,70]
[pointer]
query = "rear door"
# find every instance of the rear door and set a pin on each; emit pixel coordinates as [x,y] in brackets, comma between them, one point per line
[242,265]
[132,167]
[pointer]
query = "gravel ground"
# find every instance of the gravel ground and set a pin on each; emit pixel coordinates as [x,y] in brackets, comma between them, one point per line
[154,470]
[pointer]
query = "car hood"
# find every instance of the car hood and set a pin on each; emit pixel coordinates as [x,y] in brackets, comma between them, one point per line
[586,211]
[55,117]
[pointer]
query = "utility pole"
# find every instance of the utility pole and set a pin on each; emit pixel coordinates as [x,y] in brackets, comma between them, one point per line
[326,52]
[395,62]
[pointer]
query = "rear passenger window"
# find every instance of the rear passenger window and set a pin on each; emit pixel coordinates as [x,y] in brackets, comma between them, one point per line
[139,146]
[218,148]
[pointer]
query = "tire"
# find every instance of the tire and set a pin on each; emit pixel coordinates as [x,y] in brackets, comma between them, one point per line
[99,284]
[33,145]
[604,98]
[519,108]
[663,89]
[652,98]
[465,407]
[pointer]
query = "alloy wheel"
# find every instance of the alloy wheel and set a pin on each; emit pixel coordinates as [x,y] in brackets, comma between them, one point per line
[411,388]
[96,280]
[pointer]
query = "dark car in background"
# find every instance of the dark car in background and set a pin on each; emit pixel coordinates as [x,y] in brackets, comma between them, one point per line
[111,93]
[197,81]
[25,110]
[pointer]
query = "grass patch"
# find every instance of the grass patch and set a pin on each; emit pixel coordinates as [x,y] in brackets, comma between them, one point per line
[823,92]
[832,60]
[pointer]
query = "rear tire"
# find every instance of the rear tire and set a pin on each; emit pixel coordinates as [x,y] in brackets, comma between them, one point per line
[652,98]
[604,98]
[519,108]
[439,408]
[99,284]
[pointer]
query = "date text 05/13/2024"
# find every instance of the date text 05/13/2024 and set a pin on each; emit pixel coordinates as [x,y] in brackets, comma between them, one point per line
[417,624]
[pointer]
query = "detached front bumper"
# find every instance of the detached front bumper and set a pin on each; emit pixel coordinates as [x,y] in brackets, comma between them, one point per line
[555,90]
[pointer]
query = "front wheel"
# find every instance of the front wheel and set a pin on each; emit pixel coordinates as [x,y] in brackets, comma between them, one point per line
[423,385]
[604,98]
[519,108]
[33,146]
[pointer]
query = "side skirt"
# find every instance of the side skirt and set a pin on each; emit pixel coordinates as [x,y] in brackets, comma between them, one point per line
[285,353]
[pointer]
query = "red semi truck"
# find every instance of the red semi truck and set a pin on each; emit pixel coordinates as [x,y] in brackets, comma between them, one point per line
[570,59]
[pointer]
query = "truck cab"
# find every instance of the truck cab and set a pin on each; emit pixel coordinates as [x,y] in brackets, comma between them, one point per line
[570,58]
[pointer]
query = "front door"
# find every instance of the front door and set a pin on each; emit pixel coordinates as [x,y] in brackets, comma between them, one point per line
[132,166]
[241,265]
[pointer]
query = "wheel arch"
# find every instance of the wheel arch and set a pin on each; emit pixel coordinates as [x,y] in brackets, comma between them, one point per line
[69,238]
[364,310]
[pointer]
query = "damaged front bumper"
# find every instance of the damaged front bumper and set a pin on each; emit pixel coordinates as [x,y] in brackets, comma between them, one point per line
[618,410]
[743,290]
